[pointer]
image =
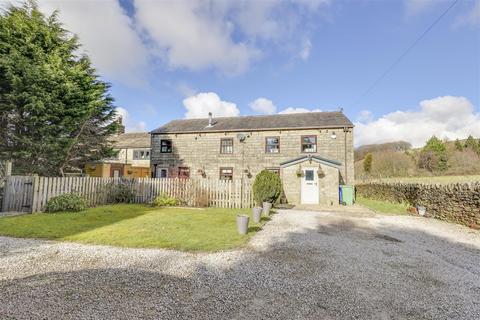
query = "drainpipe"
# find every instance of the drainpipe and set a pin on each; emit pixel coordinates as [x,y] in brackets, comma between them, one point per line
[345,131]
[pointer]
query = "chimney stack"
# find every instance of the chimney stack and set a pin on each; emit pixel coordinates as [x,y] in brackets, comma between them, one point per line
[121,127]
[210,120]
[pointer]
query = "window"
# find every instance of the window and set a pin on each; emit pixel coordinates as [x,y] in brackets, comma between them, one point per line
[309,175]
[309,144]
[183,172]
[274,170]
[141,154]
[272,145]
[226,173]
[162,172]
[165,146]
[226,145]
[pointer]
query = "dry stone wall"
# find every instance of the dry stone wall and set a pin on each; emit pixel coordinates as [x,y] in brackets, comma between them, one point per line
[458,203]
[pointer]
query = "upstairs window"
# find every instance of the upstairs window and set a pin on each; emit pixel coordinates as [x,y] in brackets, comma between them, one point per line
[226,173]
[272,144]
[309,144]
[141,154]
[226,146]
[165,146]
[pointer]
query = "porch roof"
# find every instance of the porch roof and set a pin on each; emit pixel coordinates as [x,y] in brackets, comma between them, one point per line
[317,159]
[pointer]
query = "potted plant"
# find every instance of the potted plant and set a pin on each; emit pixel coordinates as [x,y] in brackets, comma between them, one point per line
[257,214]
[242,223]
[421,210]
[267,206]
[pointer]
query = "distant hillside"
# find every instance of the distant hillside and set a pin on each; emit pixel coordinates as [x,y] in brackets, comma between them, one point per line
[398,159]
[361,151]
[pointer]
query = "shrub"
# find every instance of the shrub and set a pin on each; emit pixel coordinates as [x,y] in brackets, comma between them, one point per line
[164,200]
[267,187]
[121,192]
[66,202]
[434,156]
[367,163]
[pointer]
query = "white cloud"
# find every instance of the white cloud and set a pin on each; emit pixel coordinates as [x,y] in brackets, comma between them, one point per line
[107,35]
[130,126]
[225,36]
[199,105]
[306,48]
[187,34]
[365,116]
[414,7]
[472,17]
[313,4]
[263,105]
[298,110]
[448,116]
[185,90]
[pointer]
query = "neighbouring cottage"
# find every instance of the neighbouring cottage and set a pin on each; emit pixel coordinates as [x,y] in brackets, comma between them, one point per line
[132,160]
[312,152]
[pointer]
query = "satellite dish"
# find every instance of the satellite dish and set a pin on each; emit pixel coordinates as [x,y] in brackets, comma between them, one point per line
[241,137]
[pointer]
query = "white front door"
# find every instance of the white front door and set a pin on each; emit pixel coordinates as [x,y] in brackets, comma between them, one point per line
[309,190]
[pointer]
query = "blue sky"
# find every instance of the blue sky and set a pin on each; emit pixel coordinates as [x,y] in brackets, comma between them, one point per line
[168,60]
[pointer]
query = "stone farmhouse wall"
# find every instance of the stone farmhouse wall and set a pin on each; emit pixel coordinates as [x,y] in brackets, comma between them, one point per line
[202,151]
[458,203]
[327,185]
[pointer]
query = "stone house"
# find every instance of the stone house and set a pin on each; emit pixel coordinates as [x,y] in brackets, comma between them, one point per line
[312,152]
[132,160]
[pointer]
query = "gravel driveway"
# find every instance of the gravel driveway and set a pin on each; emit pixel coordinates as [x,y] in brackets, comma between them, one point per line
[303,265]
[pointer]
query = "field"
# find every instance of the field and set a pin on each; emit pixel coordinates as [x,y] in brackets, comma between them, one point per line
[428,180]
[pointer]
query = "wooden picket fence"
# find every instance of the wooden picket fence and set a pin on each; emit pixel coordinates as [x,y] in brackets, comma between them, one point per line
[31,194]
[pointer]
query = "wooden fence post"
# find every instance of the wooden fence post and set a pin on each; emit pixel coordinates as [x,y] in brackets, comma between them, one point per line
[35,196]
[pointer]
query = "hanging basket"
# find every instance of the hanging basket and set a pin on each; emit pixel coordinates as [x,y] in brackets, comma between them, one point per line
[300,173]
[320,172]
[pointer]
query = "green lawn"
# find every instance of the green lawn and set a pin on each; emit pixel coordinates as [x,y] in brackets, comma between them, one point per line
[383,206]
[139,226]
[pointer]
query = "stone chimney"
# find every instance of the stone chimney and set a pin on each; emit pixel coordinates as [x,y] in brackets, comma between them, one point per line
[210,120]
[121,127]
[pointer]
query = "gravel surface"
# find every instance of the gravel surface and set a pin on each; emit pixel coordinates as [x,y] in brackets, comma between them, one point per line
[303,265]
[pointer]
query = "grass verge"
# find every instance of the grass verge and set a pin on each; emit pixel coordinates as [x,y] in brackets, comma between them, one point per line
[137,226]
[383,207]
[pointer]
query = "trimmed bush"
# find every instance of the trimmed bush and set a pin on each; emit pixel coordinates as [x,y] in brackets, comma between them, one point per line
[267,187]
[164,200]
[66,202]
[121,192]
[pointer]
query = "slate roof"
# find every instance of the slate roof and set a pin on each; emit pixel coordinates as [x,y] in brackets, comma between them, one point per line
[132,140]
[258,123]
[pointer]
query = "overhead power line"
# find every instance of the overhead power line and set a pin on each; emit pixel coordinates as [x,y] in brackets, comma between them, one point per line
[390,68]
